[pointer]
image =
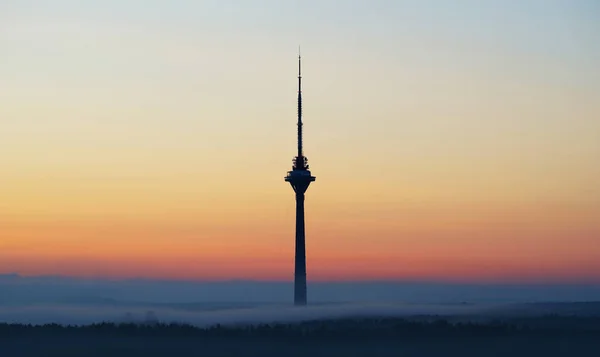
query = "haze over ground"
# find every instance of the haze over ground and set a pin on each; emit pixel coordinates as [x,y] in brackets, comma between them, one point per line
[81,301]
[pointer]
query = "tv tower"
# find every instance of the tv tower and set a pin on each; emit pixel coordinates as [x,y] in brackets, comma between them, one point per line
[300,178]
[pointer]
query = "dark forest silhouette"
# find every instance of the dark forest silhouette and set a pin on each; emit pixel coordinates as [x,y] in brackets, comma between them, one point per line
[550,335]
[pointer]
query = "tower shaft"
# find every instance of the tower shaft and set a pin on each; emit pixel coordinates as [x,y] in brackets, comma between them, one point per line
[300,253]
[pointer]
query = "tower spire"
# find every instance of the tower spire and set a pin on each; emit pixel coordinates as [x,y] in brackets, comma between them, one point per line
[300,148]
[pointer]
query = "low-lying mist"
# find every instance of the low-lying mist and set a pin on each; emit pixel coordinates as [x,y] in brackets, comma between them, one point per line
[202,317]
[41,300]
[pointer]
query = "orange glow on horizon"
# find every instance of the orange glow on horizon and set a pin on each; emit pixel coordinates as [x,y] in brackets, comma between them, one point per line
[471,245]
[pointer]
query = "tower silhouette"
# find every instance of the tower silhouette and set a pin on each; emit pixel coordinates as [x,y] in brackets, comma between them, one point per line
[300,178]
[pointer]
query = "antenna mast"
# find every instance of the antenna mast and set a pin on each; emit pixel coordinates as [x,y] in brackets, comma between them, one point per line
[300,151]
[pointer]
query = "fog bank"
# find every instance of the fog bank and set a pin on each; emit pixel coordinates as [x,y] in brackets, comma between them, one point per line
[81,315]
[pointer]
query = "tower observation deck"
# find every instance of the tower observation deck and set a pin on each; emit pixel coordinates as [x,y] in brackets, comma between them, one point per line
[300,178]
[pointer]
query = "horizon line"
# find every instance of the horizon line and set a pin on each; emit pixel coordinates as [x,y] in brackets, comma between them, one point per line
[314,282]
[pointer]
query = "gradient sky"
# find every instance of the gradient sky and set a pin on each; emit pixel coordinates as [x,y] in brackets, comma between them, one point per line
[450,140]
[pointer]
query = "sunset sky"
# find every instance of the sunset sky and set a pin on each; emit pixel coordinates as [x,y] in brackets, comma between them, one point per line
[454,141]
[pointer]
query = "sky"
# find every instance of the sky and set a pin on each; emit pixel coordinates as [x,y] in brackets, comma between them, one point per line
[451,141]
